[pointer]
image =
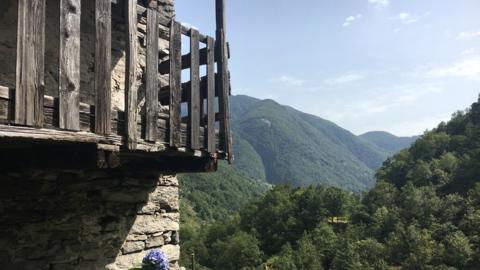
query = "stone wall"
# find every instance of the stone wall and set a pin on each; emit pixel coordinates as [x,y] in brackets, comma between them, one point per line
[8,43]
[86,220]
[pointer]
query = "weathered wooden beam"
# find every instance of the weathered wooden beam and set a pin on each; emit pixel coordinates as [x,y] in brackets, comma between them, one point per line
[131,76]
[151,96]
[30,82]
[211,140]
[166,22]
[163,67]
[164,98]
[225,136]
[167,164]
[175,83]
[87,125]
[103,45]
[194,93]
[69,65]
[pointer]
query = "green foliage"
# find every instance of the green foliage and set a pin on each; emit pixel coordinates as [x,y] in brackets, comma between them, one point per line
[423,213]
[286,146]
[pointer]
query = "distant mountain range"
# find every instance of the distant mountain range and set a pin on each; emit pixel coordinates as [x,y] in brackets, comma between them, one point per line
[388,142]
[279,144]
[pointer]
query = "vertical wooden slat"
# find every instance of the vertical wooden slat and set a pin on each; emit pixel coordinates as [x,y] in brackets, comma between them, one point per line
[151,96]
[30,83]
[211,95]
[175,83]
[131,75]
[103,45]
[69,65]
[194,93]
[225,136]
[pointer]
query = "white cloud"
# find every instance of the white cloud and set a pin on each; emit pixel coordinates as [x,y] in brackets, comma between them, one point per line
[288,80]
[343,79]
[396,96]
[380,3]
[468,52]
[408,18]
[464,68]
[469,35]
[349,20]
[414,126]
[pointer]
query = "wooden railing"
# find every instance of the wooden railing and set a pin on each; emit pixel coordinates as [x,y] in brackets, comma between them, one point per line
[199,124]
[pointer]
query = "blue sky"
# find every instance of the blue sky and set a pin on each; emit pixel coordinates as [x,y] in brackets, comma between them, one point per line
[396,65]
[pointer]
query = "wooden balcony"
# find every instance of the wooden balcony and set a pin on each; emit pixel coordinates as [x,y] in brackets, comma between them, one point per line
[184,127]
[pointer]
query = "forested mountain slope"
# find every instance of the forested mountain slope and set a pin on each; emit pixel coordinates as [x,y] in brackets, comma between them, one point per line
[423,213]
[388,142]
[283,145]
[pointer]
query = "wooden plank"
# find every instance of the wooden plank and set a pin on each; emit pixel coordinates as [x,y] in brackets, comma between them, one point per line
[194,94]
[131,76]
[164,91]
[151,96]
[175,83]
[164,66]
[166,22]
[211,140]
[103,45]
[69,65]
[225,136]
[30,83]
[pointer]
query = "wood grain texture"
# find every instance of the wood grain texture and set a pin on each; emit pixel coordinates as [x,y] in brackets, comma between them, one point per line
[194,93]
[175,83]
[30,82]
[164,91]
[69,64]
[103,45]
[151,74]
[131,90]
[225,136]
[211,140]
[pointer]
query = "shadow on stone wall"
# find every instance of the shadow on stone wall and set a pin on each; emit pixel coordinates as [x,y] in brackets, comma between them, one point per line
[85,220]
[8,44]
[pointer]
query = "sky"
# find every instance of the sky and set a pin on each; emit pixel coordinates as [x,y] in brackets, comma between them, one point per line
[401,66]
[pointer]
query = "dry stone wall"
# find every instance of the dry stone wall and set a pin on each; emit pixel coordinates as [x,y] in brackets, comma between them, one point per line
[8,28]
[86,220]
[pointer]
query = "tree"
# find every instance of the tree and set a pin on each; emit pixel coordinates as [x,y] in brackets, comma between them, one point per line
[346,257]
[458,251]
[240,251]
[372,254]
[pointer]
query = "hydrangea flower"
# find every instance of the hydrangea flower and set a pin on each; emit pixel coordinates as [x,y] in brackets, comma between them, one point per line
[155,260]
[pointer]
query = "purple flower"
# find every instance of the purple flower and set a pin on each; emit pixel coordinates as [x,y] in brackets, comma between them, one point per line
[155,260]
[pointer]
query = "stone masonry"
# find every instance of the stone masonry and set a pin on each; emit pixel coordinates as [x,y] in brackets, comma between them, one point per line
[86,220]
[8,44]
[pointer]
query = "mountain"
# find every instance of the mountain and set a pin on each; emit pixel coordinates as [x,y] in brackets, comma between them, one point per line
[388,142]
[422,213]
[279,144]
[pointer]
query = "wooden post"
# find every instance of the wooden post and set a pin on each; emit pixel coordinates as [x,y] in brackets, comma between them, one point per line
[131,75]
[69,65]
[225,136]
[175,83]
[194,93]
[103,45]
[30,82]
[151,96]
[211,140]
